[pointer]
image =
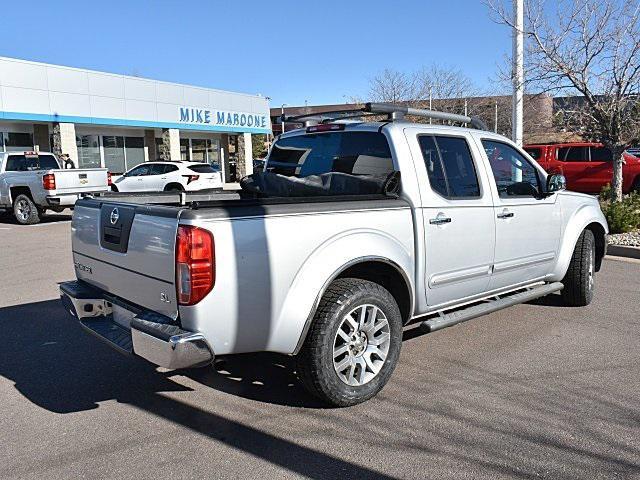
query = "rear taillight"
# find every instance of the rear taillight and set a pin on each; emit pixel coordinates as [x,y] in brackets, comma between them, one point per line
[109,182]
[195,264]
[192,178]
[49,181]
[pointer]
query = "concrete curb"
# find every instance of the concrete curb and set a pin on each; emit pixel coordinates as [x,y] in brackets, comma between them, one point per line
[622,251]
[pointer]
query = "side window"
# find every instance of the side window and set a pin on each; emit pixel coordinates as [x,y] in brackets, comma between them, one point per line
[450,167]
[514,175]
[170,168]
[573,154]
[139,171]
[601,154]
[158,169]
[434,165]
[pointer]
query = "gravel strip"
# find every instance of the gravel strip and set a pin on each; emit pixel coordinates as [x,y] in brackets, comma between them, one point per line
[631,239]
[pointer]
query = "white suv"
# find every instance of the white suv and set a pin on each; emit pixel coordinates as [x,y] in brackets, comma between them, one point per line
[169,176]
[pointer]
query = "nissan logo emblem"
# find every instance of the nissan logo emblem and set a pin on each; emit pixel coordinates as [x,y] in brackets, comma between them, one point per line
[115,215]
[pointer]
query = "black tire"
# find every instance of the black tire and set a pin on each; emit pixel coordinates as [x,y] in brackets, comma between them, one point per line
[635,188]
[25,211]
[579,281]
[315,362]
[174,187]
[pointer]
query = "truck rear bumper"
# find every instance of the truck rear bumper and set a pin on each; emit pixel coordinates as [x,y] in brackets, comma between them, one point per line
[66,200]
[130,329]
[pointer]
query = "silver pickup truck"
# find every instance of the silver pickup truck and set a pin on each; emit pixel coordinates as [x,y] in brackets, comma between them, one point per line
[33,182]
[475,226]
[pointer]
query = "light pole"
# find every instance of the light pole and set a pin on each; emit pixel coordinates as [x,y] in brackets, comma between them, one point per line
[518,71]
[430,100]
[282,117]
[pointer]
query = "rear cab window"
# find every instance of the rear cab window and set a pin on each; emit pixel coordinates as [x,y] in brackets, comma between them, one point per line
[28,163]
[352,152]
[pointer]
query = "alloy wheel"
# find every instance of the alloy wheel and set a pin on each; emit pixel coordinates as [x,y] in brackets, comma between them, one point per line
[361,345]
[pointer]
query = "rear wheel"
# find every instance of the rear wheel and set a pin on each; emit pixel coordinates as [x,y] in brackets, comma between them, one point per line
[174,187]
[25,211]
[636,185]
[353,345]
[579,281]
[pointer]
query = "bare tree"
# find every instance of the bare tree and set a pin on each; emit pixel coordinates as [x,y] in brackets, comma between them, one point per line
[589,49]
[392,86]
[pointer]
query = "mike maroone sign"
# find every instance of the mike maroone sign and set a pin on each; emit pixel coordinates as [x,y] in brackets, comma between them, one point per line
[222,118]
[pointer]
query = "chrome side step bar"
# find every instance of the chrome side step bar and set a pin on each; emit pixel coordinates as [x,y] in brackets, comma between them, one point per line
[444,320]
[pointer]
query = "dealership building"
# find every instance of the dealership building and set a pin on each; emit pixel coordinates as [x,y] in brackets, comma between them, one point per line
[117,121]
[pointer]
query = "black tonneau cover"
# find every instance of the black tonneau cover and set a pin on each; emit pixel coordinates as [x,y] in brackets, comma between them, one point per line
[326,184]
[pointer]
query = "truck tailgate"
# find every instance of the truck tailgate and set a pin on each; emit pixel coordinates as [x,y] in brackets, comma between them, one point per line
[128,251]
[81,180]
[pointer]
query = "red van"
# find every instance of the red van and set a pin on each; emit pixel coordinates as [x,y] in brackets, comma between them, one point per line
[587,166]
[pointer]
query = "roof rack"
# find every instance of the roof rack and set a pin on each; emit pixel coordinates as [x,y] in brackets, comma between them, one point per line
[394,113]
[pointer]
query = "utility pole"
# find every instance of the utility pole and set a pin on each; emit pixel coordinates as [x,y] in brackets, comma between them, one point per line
[495,119]
[518,71]
[282,117]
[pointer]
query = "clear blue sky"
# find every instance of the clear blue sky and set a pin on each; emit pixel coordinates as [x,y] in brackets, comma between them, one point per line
[290,51]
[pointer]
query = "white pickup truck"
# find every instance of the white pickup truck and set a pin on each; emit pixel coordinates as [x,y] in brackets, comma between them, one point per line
[33,182]
[328,269]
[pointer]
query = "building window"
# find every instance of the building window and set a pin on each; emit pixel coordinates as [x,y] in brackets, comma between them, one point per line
[199,149]
[1,142]
[18,142]
[134,151]
[88,151]
[213,153]
[158,149]
[184,149]
[114,154]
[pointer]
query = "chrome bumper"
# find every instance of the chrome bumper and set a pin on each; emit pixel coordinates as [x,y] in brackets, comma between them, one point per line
[132,330]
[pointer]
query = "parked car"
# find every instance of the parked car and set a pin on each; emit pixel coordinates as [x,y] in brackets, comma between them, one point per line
[33,182]
[332,279]
[169,176]
[587,166]
[635,151]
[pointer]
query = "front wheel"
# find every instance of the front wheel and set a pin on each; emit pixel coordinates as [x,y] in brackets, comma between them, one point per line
[579,281]
[25,211]
[353,345]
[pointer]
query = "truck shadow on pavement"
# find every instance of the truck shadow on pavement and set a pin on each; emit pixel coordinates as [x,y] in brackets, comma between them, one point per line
[6,219]
[466,416]
[59,367]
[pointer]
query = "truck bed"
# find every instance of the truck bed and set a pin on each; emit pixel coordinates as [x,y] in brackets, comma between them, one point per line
[230,204]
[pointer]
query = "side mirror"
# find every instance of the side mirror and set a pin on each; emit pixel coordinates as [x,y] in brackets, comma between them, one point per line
[555,183]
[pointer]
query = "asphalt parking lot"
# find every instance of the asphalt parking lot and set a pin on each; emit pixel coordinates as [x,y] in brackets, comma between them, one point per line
[537,390]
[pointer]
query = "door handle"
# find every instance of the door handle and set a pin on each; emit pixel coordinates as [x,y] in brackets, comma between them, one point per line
[439,220]
[505,214]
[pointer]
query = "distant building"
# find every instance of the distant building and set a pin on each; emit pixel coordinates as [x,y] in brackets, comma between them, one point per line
[117,121]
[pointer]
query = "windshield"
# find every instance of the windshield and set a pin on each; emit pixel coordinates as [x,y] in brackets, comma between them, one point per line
[358,153]
[21,163]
